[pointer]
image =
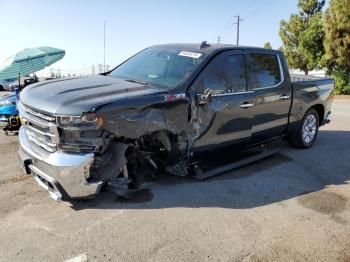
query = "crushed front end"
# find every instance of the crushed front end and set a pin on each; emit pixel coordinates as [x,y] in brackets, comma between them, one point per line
[73,157]
[60,152]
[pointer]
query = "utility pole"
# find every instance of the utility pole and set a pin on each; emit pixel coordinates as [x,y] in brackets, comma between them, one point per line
[104,46]
[237,23]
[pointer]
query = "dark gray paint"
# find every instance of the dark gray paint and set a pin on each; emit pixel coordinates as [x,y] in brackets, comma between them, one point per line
[72,96]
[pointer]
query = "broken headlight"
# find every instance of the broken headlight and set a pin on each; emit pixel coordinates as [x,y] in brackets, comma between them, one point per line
[85,119]
[80,133]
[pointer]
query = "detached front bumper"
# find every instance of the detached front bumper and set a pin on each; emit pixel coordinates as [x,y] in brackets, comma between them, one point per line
[62,174]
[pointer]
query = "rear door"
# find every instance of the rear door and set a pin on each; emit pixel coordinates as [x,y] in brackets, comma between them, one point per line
[227,118]
[272,95]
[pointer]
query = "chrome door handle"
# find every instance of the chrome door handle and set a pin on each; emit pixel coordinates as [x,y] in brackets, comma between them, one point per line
[247,105]
[284,97]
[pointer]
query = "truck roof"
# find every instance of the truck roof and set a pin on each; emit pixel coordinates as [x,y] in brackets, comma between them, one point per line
[196,47]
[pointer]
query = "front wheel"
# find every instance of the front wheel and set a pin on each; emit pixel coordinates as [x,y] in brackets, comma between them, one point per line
[307,130]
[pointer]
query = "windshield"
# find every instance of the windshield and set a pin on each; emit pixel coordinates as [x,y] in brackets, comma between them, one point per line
[164,66]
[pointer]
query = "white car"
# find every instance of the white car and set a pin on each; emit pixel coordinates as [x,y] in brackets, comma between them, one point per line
[11,86]
[5,84]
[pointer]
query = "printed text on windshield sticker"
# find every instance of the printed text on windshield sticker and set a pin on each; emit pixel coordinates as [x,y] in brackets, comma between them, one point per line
[190,54]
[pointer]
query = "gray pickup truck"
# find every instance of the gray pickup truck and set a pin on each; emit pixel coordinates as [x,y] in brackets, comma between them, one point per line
[160,111]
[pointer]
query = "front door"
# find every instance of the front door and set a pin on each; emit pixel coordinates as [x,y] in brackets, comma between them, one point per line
[227,117]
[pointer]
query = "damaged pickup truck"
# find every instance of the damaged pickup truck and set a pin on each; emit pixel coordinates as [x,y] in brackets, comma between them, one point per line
[159,111]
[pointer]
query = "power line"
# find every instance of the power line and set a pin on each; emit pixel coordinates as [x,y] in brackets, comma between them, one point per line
[237,23]
[229,25]
[259,9]
[229,22]
[228,31]
[247,10]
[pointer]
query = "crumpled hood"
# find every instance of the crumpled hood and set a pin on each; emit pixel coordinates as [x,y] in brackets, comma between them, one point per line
[72,96]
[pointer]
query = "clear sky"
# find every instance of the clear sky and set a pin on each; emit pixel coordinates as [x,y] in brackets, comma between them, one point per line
[131,25]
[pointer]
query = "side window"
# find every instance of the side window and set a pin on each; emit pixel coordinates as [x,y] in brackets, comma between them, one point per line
[263,70]
[224,74]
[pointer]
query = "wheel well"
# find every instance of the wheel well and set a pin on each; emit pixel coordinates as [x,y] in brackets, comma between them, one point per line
[320,110]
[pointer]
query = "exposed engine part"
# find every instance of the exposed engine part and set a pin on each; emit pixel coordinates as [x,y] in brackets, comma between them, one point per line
[110,164]
[126,164]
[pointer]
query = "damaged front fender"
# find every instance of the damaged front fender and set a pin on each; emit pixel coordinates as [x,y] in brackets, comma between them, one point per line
[155,131]
[140,119]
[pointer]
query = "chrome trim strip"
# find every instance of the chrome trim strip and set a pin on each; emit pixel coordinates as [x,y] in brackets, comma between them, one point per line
[41,141]
[284,97]
[37,114]
[49,127]
[58,158]
[34,119]
[40,132]
[236,93]
[246,105]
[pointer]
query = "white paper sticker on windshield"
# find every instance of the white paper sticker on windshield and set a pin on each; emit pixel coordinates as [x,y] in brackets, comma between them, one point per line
[190,54]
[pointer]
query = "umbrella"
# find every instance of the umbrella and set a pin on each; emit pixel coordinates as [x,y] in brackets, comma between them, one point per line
[30,60]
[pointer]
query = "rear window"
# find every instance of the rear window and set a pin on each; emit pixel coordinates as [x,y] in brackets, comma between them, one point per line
[263,71]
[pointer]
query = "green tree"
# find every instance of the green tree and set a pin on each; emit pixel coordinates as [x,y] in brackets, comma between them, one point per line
[268,45]
[302,36]
[337,43]
[310,7]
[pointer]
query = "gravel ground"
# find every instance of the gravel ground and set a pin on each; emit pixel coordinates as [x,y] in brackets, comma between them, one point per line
[292,206]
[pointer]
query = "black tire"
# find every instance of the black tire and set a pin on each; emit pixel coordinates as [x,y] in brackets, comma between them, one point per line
[1,88]
[306,136]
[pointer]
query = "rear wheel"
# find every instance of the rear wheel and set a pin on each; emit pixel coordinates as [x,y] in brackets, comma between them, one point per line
[307,130]
[1,88]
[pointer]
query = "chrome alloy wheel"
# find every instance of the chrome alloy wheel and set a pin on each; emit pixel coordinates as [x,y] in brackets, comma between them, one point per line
[309,129]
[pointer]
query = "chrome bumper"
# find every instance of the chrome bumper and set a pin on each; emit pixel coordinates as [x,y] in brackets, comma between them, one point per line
[62,174]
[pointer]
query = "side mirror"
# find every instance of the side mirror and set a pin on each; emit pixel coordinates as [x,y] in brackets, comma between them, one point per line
[204,98]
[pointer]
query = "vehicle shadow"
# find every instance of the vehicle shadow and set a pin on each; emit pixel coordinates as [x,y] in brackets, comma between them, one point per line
[283,176]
